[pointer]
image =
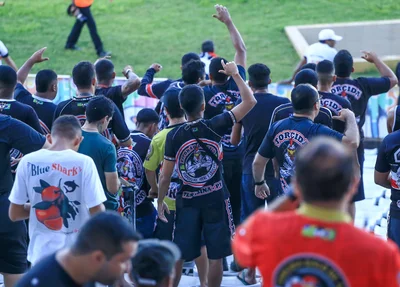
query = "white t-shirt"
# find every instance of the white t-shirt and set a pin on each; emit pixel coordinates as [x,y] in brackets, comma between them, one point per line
[3,51]
[318,52]
[206,59]
[61,187]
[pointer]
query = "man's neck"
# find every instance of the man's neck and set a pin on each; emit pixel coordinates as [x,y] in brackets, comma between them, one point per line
[44,96]
[260,91]
[142,130]
[93,127]
[84,92]
[310,117]
[194,118]
[325,88]
[105,84]
[73,266]
[60,145]
[339,206]
[176,121]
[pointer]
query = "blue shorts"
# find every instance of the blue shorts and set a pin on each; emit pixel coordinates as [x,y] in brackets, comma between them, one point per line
[146,224]
[215,221]
[394,230]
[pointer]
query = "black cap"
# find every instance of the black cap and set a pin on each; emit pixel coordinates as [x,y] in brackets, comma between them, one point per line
[154,261]
[189,57]
[306,76]
[170,98]
[147,116]
[325,67]
[303,97]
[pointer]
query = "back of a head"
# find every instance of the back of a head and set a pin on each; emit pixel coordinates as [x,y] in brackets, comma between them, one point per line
[104,70]
[44,79]
[306,76]
[147,116]
[107,232]
[83,74]
[8,78]
[325,71]
[343,63]
[215,67]
[154,262]
[67,127]
[98,108]
[259,76]
[193,72]
[304,97]
[171,102]
[324,170]
[189,57]
[207,46]
[191,99]
[310,66]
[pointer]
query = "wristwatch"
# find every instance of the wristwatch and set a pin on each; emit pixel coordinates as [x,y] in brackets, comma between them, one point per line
[260,182]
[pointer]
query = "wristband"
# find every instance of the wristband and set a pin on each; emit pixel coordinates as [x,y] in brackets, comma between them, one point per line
[127,72]
[260,182]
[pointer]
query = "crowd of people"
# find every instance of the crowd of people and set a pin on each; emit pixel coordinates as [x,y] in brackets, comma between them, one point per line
[84,200]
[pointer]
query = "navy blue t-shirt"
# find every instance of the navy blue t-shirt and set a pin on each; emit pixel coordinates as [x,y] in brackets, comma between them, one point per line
[15,134]
[200,173]
[174,88]
[388,160]
[285,137]
[358,91]
[255,125]
[220,99]
[44,108]
[284,111]
[77,107]
[114,94]
[335,104]
[396,120]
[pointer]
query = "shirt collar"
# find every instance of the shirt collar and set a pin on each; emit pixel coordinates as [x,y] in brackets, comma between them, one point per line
[323,214]
[7,100]
[41,99]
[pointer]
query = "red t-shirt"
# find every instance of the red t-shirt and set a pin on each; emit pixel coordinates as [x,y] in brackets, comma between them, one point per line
[313,247]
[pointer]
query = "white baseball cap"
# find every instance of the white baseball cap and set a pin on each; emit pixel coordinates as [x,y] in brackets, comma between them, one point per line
[328,34]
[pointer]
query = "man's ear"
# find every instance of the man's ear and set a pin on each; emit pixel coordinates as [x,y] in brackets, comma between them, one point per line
[94,82]
[203,106]
[113,75]
[269,81]
[352,69]
[334,78]
[49,139]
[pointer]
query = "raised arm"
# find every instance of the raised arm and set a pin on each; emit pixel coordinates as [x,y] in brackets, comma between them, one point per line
[383,69]
[132,83]
[237,41]
[11,63]
[37,57]
[147,88]
[248,100]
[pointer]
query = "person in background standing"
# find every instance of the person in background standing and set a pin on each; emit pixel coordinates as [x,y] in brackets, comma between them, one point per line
[6,56]
[207,54]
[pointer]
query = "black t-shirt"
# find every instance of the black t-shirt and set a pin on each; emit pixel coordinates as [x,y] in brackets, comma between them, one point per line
[255,126]
[358,92]
[388,160]
[220,99]
[77,106]
[114,94]
[284,111]
[201,175]
[15,134]
[335,104]
[48,273]
[44,108]
[174,88]
[285,137]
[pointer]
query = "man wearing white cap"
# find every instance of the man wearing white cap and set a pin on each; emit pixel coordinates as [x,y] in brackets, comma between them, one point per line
[317,52]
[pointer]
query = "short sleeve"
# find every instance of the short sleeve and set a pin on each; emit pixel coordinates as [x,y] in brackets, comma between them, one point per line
[32,119]
[20,93]
[267,146]
[222,123]
[110,161]
[119,127]
[153,157]
[3,50]
[170,152]
[94,192]
[382,165]
[322,130]
[19,192]
[375,86]
[24,138]
[242,72]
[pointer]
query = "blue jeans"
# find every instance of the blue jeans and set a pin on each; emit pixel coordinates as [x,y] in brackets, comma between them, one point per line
[250,202]
[146,224]
[394,230]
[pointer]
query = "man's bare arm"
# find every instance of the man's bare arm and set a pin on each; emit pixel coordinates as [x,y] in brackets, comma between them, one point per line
[164,182]
[37,57]
[351,134]
[152,180]
[11,63]
[97,209]
[382,179]
[18,212]
[236,134]
[132,83]
[383,69]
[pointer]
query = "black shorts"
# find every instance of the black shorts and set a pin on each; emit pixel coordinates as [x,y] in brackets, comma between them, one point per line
[165,230]
[360,195]
[13,241]
[215,221]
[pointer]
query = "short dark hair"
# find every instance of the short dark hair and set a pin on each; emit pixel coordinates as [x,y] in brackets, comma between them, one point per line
[147,116]
[259,75]
[310,66]
[325,71]
[107,232]
[189,57]
[215,67]
[343,62]
[44,79]
[306,76]
[191,98]
[8,77]
[83,74]
[171,102]
[67,127]
[304,97]
[98,108]
[104,70]
[324,170]
[193,71]
[207,46]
